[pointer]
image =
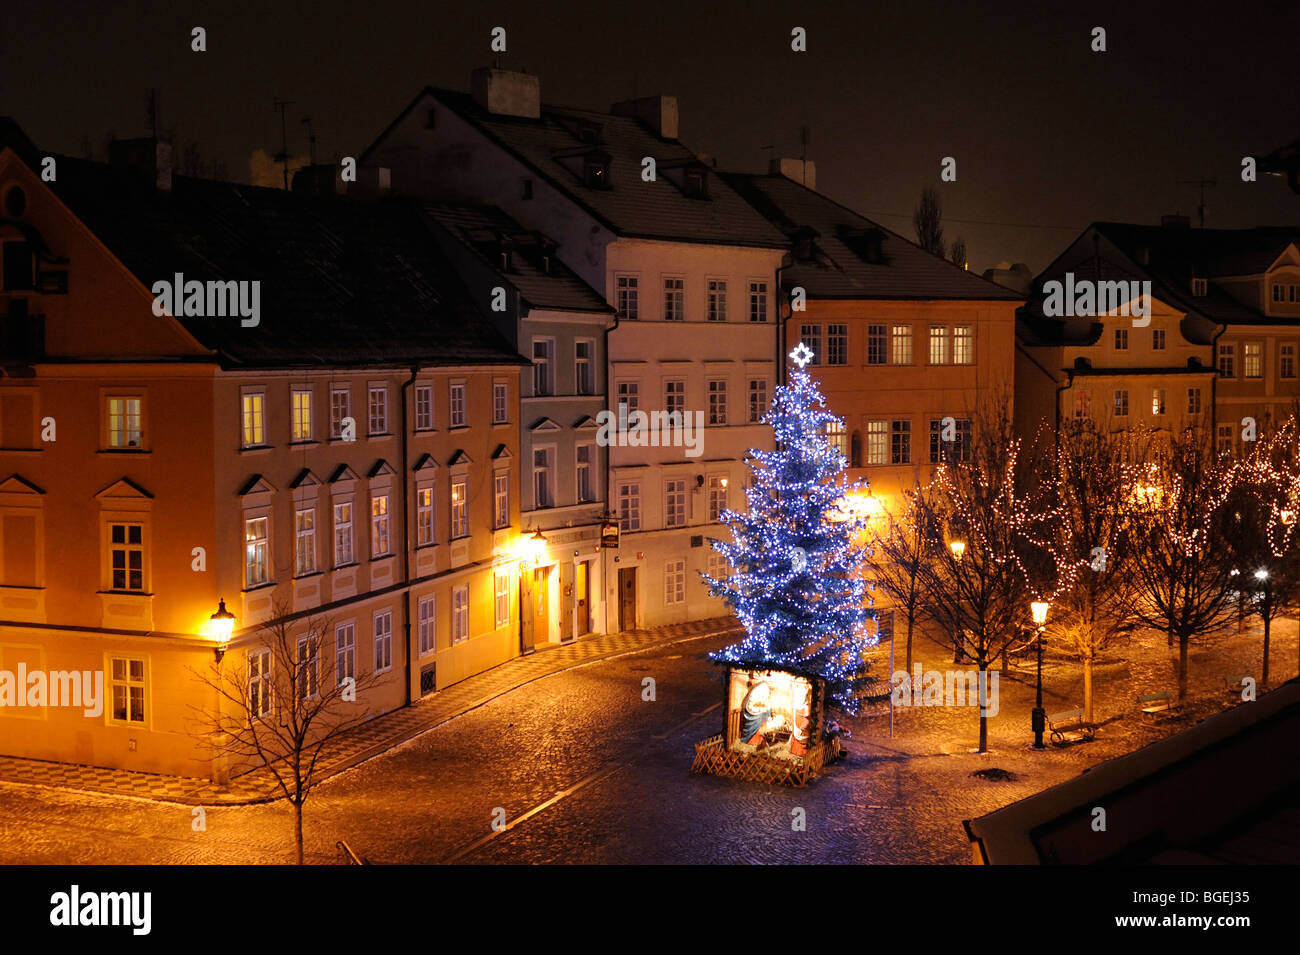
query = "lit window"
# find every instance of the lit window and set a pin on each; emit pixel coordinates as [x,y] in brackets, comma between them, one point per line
[459,510]
[717,496]
[301,399]
[1252,360]
[256,551]
[1157,401]
[939,343]
[254,417]
[963,345]
[901,344]
[877,442]
[838,437]
[379,525]
[124,423]
[1082,403]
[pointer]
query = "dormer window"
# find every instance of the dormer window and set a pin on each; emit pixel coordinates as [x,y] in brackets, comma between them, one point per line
[696,184]
[1198,288]
[595,172]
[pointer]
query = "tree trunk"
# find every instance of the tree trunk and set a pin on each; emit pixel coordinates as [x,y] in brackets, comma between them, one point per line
[297,827]
[1263,682]
[1169,631]
[911,623]
[1182,667]
[1087,689]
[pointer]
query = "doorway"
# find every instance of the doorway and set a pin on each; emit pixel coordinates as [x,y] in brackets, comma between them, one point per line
[627,598]
[582,590]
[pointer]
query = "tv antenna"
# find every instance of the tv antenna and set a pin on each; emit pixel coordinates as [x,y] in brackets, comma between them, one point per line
[1201,183]
[282,157]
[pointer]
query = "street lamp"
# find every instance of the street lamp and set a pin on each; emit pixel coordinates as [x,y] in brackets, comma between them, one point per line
[223,623]
[1038,719]
[534,547]
[958,550]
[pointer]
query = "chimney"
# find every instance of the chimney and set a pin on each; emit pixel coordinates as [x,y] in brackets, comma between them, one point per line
[151,158]
[802,171]
[507,93]
[657,112]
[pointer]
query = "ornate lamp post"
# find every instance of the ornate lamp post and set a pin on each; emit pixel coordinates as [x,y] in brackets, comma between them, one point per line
[958,549]
[223,624]
[533,547]
[1038,719]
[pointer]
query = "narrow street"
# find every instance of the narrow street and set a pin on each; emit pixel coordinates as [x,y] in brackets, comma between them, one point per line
[585,771]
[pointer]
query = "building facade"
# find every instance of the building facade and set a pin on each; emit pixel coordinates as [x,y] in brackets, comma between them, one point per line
[330,453]
[688,266]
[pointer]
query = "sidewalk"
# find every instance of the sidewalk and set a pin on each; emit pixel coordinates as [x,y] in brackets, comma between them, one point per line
[371,738]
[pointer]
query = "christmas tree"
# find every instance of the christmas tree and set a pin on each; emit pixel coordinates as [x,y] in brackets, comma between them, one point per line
[795,582]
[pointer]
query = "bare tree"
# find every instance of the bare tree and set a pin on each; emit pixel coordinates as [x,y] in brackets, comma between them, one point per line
[1181,562]
[283,702]
[957,254]
[896,557]
[1264,530]
[927,219]
[978,593]
[1089,482]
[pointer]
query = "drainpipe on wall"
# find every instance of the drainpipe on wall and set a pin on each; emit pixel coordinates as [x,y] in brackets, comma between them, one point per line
[1214,385]
[780,322]
[406,535]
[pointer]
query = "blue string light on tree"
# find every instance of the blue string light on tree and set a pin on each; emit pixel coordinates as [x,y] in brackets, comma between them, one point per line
[795,583]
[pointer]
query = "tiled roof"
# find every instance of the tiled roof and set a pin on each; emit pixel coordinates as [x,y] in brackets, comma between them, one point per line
[342,282]
[852,257]
[629,207]
[485,228]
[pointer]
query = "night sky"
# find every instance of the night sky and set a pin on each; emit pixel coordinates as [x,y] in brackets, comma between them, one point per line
[1048,135]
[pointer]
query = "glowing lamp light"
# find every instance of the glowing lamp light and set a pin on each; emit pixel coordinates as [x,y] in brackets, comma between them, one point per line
[958,550]
[534,547]
[1039,609]
[1261,574]
[223,624]
[1288,517]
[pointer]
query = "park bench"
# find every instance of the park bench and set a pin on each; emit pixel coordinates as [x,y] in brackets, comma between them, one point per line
[1154,704]
[1070,725]
[1233,685]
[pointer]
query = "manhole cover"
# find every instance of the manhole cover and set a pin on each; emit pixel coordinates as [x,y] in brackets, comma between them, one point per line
[995,775]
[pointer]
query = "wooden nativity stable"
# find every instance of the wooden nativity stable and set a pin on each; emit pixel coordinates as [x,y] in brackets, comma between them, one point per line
[775,722]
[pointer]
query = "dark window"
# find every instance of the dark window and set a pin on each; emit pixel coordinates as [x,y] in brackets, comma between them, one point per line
[18,273]
[15,202]
[596,173]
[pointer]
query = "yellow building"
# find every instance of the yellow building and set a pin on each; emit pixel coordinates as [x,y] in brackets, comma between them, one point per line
[217,392]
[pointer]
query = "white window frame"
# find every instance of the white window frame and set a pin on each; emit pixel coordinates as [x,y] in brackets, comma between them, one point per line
[252,417]
[459,614]
[544,366]
[345,652]
[301,400]
[424,407]
[426,514]
[456,404]
[459,507]
[426,627]
[716,300]
[381,541]
[674,583]
[629,506]
[127,682]
[501,597]
[383,640]
[304,541]
[675,502]
[342,526]
[500,402]
[257,551]
[377,409]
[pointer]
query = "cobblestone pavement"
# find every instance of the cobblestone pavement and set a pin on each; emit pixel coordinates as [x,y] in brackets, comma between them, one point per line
[371,738]
[585,770]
